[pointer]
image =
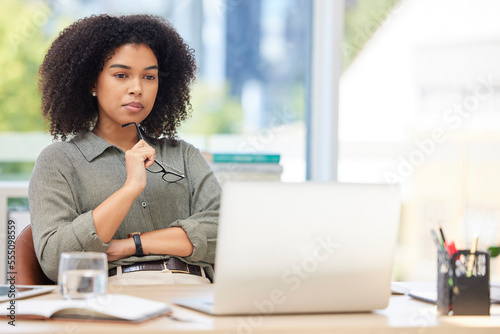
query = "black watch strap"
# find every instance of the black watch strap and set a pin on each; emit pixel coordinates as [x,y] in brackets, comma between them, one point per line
[138,245]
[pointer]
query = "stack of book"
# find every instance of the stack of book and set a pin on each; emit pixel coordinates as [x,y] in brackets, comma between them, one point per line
[245,166]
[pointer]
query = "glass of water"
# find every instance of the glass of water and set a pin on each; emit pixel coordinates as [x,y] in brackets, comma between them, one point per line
[83,275]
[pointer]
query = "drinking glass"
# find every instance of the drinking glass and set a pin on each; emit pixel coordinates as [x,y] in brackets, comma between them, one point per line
[83,275]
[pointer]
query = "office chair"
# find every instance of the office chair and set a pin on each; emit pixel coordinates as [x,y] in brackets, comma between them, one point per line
[27,268]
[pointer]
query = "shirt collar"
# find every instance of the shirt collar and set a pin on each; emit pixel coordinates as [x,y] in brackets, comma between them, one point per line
[90,145]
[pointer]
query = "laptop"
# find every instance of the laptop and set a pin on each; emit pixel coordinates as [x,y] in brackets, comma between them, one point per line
[303,248]
[10,292]
[427,291]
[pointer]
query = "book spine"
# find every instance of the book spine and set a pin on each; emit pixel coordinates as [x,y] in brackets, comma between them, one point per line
[247,167]
[231,177]
[245,158]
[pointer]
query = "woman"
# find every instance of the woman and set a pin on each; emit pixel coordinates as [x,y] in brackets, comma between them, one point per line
[123,184]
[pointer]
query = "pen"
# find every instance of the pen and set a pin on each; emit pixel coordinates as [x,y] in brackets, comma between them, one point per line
[450,247]
[442,235]
[472,257]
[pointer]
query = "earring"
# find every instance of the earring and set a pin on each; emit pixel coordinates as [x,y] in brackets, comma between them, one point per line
[94,94]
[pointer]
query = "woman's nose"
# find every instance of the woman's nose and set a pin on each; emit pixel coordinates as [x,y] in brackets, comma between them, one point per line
[135,87]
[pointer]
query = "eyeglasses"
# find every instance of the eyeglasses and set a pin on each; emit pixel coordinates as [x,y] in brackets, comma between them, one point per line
[172,175]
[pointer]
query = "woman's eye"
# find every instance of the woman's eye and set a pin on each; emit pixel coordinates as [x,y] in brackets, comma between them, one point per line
[149,77]
[121,75]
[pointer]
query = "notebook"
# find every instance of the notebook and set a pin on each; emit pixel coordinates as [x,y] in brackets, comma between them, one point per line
[109,307]
[303,248]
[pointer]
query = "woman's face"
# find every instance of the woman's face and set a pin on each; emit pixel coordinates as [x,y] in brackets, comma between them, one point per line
[127,86]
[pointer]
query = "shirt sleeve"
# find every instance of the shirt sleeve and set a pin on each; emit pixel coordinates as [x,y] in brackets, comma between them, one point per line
[56,222]
[201,226]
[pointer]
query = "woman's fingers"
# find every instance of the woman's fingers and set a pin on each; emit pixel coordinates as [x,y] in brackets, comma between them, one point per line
[144,152]
[138,158]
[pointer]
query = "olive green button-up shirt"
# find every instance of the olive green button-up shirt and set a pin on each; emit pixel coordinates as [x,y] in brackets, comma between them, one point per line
[72,178]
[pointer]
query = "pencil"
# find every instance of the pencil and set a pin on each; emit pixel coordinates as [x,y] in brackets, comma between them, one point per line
[472,257]
[436,239]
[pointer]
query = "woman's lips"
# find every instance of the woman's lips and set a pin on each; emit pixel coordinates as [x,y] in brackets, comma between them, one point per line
[134,106]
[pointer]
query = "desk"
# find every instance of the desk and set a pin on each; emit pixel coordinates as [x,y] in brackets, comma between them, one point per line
[403,315]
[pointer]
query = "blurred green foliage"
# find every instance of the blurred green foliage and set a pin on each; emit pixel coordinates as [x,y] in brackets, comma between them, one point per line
[362,19]
[214,111]
[494,251]
[22,47]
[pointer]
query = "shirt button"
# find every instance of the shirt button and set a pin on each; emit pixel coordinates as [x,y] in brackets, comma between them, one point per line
[144,204]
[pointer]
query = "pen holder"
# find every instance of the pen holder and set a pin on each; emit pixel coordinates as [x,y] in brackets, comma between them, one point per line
[463,286]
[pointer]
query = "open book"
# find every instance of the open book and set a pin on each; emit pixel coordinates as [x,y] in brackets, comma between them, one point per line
[107,307]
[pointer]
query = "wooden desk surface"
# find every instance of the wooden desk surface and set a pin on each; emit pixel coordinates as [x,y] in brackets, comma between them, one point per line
[403,315]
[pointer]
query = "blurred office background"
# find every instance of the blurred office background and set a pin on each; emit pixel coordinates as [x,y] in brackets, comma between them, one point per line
[404,91]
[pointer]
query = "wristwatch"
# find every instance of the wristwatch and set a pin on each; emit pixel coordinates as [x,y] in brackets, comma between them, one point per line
[137,241]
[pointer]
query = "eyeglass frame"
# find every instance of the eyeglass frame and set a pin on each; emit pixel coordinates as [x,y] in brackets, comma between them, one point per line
[163,170]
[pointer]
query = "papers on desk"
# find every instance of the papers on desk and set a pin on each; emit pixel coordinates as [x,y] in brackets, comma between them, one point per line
[427,291]
[112,307]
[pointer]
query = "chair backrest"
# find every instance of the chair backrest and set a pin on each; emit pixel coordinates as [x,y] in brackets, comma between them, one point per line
[27,268]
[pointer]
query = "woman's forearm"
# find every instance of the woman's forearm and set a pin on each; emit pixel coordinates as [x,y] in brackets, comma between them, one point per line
[169,241]
[109,214]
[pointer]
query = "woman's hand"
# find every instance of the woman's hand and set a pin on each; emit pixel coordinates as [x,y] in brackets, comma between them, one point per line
[120,248]
[140,157]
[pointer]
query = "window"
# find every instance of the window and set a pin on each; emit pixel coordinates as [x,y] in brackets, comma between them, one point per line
[253,59]
[419,106]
